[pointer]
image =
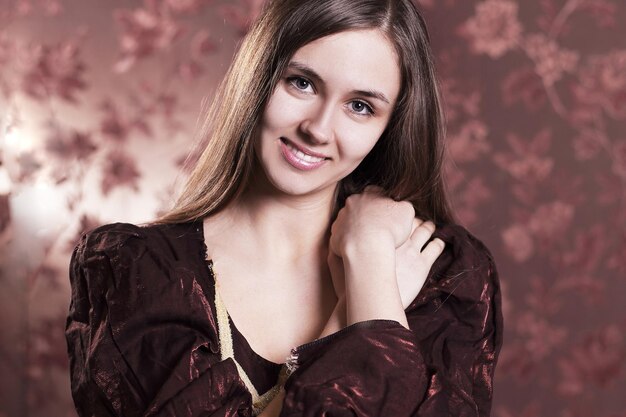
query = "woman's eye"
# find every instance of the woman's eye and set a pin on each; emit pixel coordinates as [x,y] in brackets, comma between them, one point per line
[300,83]
[361,108]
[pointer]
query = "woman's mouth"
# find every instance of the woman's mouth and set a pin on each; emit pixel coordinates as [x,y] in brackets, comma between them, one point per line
[299,158]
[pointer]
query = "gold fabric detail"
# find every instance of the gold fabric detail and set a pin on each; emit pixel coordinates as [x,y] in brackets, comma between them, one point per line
[259,402]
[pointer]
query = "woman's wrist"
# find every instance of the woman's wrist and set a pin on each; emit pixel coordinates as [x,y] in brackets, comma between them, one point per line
[337,320]
[371,287]
[365,246]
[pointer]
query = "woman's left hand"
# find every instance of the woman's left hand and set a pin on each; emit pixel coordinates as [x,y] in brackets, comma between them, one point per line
[413,263]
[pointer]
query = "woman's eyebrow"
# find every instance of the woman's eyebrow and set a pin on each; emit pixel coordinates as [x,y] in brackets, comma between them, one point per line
[310,73]
[306,70]
[372,94]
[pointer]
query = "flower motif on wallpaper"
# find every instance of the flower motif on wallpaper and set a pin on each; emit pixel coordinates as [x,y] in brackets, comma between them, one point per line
[587,251]
[469,143]
[143,109]
[544,226]
[603,11]
[21,8]
[598,359]
[119,169]
[494,29]
[603,84]
[552,220]
[113,125]
[201,45]
[528,160]
[534,339]
[570,221]
[54,70]
[158,27]
[588,144]
[524,85]
[460,102]
[68,146]
[518,242]
[471,197]
[144,31]
[28,165]
[599,82]
[550,60]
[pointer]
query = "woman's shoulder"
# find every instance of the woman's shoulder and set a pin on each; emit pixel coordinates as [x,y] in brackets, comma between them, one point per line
[124,257]
[461,296]
[125,252]
[466,268]
[114,238]
[463,244]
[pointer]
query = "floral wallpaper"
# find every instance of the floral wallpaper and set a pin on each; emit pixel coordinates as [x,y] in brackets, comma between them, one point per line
[99,101]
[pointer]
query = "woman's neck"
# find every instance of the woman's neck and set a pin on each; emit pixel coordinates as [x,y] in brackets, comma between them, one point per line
[275,225]
[286,226]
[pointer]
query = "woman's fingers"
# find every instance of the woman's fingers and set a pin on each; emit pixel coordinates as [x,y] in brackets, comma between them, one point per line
[416,223]
[415,258]
[422,234]
[369,219]
[432,251]
[420,238]
[373,189]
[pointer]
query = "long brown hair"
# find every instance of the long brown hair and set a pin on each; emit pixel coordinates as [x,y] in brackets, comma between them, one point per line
[407,159]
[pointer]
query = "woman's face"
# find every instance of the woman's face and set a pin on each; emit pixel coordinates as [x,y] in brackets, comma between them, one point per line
[328,110]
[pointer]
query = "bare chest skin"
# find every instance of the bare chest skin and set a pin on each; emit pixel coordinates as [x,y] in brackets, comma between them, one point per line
[276,305]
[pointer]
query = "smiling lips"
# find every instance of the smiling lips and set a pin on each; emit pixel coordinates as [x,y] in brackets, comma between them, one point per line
[300,158]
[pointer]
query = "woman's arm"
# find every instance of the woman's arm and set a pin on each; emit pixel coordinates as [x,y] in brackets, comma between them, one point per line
[141,338]
[379,242]
[442,365]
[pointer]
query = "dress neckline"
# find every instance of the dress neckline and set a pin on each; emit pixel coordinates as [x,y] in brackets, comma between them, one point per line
[264,361]
[212,276]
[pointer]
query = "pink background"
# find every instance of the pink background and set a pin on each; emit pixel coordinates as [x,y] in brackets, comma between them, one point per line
[98,104]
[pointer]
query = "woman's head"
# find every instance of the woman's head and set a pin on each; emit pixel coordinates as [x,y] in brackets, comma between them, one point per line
[326,113]
[405,161]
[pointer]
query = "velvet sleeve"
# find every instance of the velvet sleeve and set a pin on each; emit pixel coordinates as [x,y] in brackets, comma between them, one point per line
[141,340]
[442,366]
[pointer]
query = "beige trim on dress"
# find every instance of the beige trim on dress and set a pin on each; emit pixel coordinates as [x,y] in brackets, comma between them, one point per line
[259,402]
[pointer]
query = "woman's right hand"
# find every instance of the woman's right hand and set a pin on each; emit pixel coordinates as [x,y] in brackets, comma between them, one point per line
[371,219]
[365,235]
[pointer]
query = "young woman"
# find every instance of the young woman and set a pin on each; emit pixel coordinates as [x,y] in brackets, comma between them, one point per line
[301,272]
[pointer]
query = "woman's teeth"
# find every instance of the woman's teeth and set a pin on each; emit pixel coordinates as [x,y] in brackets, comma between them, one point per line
[301,155]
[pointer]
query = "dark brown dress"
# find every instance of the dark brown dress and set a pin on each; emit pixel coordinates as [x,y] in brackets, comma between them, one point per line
[148,336]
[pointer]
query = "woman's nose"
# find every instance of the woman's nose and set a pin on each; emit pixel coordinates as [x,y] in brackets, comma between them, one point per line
[318,125]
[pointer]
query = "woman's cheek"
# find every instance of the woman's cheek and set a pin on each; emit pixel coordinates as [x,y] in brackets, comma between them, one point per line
[359,141]
[282,110]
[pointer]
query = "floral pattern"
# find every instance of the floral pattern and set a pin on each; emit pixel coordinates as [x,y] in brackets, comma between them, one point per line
[98,114]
